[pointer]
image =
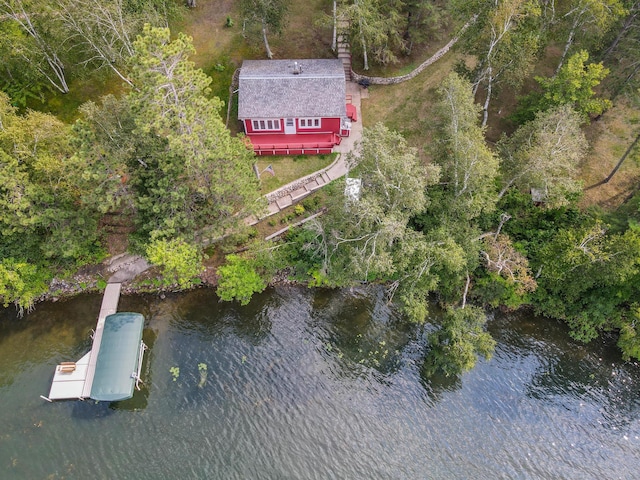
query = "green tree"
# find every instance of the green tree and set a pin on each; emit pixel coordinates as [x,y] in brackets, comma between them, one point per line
[588,278]
[102,32]
[544,154]
[269,15]
[46,222]
[629,339]
[587,21]
[573,85]
[20,80]
[180,262]
[41,52]
[189,172]
[506,41]
[622,55]
[457,343]
[378,27]
[43,212]
[421,19]
[366,235]
[238,280]
[21,283]
[469,168]
[104,139]
[362,232]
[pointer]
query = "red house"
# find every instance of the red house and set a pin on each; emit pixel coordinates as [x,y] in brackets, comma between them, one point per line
[293,107]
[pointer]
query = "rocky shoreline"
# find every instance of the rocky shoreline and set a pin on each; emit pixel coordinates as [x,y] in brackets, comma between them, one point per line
[94,278]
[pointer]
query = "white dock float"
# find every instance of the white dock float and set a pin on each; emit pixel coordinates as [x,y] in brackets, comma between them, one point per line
[68,385]
[76,384]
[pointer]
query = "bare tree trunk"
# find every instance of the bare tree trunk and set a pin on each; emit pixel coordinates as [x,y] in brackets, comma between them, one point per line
[112,45]
[334,40]
[487,100]
[626,26]
[503,219]
[364,52]
[23,19]
[567,46]
[266,41]
[58,69]
[466,290]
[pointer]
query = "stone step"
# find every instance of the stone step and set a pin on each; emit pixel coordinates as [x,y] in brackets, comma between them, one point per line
[284,202]
[314,184]
[299,194]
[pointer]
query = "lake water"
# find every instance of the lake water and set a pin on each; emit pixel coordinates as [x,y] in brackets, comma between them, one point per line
[312,384]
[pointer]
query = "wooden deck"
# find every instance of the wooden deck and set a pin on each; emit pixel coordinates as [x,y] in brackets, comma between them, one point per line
[77,384]
[294,144]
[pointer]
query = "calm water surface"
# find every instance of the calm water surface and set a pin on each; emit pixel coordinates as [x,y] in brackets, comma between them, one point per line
[305,384]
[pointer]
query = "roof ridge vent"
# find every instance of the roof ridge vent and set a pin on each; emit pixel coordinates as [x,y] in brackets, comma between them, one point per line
[297,68]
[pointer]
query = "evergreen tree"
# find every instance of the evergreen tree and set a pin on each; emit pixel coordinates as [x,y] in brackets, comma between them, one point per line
[189,172]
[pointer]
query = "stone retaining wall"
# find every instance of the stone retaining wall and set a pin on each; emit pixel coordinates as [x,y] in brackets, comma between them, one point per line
[356,77]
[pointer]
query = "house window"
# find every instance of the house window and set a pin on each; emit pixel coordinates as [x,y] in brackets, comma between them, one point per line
[309,122]
[265,124]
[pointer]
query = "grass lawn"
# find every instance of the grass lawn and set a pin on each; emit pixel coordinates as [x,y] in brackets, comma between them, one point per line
[609,138]
[408,107]
[288,169]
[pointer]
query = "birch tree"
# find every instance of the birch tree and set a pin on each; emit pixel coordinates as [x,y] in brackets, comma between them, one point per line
[377,26]
[370,238]
[622,55]
[469,168]
[588,20]
[42,53]
[544,154]
[506,41]
[104,31]
[269,15]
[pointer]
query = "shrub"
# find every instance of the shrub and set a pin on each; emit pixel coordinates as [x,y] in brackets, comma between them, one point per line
[180,262]
[238,280]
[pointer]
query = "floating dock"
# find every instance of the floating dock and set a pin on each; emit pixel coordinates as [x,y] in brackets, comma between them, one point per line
[111,369]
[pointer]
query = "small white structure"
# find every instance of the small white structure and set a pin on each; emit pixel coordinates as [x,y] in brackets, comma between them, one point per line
[353,189]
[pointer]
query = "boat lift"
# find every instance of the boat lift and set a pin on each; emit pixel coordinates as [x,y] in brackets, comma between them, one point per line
[111,369]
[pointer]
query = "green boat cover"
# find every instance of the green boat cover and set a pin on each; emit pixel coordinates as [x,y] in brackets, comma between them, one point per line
[117,361]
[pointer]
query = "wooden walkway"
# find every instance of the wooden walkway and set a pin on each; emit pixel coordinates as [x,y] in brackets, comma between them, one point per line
[109,306]
[76,384]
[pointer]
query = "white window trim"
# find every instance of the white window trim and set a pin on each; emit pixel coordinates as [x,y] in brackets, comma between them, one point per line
[269,125]
[309,122]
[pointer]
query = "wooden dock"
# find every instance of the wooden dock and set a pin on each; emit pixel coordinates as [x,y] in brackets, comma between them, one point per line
[109,306]
[76,384]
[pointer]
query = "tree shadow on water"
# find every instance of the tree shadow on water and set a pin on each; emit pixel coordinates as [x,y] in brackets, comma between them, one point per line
[359,328]
[435,382]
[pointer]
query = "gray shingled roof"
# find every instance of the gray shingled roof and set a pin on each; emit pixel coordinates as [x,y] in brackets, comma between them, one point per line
[270,89]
